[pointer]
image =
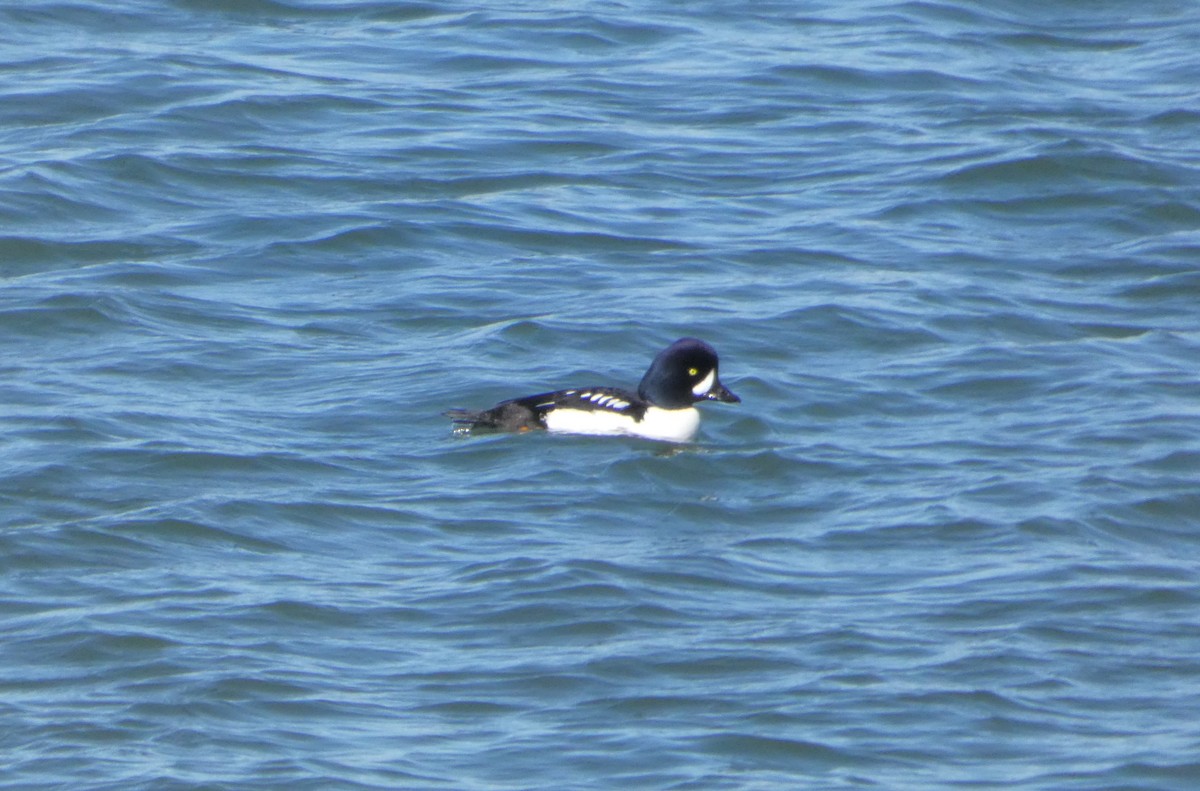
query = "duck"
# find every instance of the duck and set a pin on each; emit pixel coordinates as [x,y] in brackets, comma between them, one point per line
[663,408]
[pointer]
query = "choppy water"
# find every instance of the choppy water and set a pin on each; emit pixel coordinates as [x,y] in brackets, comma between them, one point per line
[949,254]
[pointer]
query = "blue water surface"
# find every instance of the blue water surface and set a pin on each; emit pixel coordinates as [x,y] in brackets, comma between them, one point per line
[948,252]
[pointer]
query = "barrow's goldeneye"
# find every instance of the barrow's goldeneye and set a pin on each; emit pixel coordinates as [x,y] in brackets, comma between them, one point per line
[662,408]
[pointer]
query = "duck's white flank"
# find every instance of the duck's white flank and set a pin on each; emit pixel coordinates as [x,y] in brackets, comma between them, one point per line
[669,425]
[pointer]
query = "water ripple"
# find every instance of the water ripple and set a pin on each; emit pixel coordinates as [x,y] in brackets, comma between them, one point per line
[251,251]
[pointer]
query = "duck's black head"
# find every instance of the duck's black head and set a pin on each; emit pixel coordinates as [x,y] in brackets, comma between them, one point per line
[682,374]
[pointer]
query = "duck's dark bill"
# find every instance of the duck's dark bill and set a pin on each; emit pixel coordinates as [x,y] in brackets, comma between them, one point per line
[720,392]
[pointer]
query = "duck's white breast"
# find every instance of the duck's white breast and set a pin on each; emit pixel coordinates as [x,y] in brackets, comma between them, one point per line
[672,425]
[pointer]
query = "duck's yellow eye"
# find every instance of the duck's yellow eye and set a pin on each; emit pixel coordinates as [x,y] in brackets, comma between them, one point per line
[693,371]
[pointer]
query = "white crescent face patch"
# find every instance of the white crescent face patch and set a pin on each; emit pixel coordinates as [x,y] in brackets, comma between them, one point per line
[705,384]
